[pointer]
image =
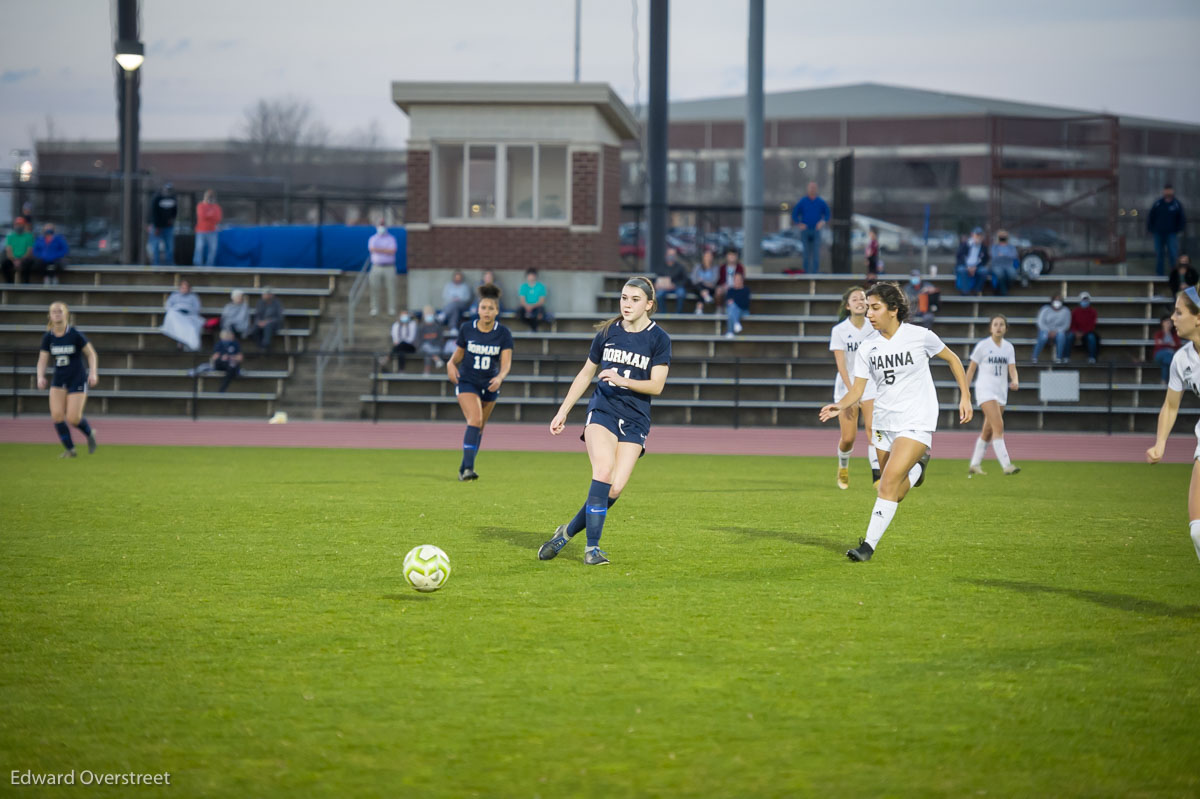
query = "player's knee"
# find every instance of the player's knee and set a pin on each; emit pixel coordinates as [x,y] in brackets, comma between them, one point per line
[58,417]
[75,418]
[602,475]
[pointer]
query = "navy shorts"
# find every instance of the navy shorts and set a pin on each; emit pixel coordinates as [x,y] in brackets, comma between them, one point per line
[625,430]
[464,387]
[73,383]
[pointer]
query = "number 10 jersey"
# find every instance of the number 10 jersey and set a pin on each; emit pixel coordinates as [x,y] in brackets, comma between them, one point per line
[481,361]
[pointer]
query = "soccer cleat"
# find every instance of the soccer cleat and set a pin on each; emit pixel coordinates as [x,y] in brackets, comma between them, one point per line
[467,475]
[1012,470]
[92,442]
[924,469]
[843,478]
[595,557]
[973,470]
[862,554]
[875,475]
[68,453]
[548,550]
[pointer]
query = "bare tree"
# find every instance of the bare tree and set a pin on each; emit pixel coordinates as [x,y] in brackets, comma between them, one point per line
[282,134]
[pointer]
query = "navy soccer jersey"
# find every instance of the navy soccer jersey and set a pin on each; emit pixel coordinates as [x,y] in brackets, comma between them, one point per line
[482,359]
[632,355]
[226,349]
[66,353]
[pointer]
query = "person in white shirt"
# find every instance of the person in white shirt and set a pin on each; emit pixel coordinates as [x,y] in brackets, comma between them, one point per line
[404,340]
[896,359]
[382,247]
[843,343]
[1185,373]
[993,367]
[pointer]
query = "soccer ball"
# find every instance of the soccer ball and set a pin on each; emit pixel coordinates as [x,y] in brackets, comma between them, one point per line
[426,568]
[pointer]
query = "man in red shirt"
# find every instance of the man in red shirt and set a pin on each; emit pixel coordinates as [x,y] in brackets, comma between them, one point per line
[1083,326]
[208,216]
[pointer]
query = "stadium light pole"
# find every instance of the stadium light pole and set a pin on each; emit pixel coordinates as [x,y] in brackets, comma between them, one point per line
[752,189]
[578,9]
[129,54]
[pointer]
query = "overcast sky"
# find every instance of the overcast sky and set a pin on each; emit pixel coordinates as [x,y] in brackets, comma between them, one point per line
[206,61]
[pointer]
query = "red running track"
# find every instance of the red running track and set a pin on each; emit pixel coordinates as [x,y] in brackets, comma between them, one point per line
[536,438]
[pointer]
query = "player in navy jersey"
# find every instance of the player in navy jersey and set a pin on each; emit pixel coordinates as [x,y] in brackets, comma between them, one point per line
[485,350]
[68,386]
[633,355]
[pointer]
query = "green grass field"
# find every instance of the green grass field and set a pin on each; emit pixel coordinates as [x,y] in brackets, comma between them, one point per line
[238,618]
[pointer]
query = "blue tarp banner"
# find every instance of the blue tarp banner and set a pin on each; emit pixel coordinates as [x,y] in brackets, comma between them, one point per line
[303,247]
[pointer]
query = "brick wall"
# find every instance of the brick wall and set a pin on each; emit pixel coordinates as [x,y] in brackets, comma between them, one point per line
[585,168]
[417,208]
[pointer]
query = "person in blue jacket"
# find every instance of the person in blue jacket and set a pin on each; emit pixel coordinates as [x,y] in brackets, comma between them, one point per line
[50,253]
[1165,222]
[811,214]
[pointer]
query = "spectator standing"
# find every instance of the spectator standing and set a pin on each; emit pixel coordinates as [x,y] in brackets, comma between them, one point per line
[430,336]
[704,280]
[164,207]
[811,214]
[1083,326]
[404,339]
[235,315]
[18,252]
[182,320]
[382,247]
[50,254]
[1166,341]
[456,299]
[871,253]
[226,357]
[1004,259]
[737,304]
[970,263]
[1053,324]
[268,318]
[923,299]
[208,217]
[533,300]
[1165,222]
[731,267]
[1183,276]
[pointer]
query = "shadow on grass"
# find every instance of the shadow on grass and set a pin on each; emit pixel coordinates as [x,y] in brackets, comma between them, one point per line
[526,540]
[800,539]
[411,596]
[1129,604]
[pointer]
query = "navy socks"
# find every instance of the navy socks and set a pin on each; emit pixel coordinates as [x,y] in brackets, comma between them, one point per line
[580,521]
[84,427]
[470,447]
[64,435]
[597,509]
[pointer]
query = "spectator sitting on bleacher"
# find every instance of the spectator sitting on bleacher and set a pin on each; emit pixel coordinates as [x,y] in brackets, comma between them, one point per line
[1083,327]
[737,304]
[1166,341]
[704,280]
[268,318]
[235,315]
[182,320]
[732,266]
[533,300]
[50,254]
[1003,267]
[923,300]
[18,253]
[672,279]
[404,340]
[488,278]
[226,357]
[1053,324]
[456,299]
[1183,276]
[429,334]
[970,264]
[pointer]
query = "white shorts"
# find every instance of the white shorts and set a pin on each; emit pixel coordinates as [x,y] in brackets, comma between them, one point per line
[983,395]
[1196,454]
[882,439]
[840,390]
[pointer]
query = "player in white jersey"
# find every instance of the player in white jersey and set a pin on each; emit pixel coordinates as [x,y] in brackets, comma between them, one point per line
[843,343]
[896,359]
[993,367]
[1185,374]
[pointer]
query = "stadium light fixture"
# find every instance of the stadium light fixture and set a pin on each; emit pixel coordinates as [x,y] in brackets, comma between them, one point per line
[129,54]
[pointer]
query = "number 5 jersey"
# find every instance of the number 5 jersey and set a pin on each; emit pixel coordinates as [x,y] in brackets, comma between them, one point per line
[899,368]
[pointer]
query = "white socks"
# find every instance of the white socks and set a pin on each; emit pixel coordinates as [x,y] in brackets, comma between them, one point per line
[843,459]
[1001,452]
[1194,526]
[914,474]
[872,455]
[980,450]
[881,517]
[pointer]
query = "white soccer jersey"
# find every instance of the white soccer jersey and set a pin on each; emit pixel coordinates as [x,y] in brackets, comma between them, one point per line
[846,337]
[991,376]
[899,367]
[1185,373]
